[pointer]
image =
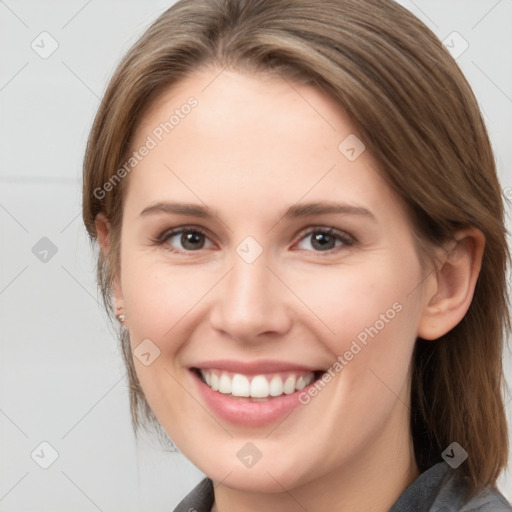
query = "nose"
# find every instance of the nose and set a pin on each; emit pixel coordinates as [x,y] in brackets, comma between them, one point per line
[251,302]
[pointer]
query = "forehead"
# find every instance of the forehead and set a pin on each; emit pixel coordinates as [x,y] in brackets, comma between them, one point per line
[258,138]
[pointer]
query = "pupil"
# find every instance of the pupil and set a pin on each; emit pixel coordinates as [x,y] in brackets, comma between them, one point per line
[191,238]
[320,238]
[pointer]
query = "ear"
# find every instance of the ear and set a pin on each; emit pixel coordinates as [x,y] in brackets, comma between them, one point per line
[103,232]
[451,286]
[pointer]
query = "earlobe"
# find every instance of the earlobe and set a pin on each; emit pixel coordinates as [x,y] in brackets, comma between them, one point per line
[452,284]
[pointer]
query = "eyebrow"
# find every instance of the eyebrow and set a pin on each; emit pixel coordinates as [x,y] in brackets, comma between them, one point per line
[294,211]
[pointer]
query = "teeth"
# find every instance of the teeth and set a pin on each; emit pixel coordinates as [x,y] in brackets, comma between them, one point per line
[240,385]
[289,385]
[258,386]
[225,384]
[276,386]
[214,381]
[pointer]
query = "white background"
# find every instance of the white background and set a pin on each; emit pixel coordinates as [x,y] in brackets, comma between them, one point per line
[62,379]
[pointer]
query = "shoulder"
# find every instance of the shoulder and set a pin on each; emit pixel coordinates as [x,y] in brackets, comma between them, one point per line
[488,500]
[442,489]
[436,490]
[199,499]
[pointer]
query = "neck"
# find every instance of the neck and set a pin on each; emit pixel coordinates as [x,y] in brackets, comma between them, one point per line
[372,481]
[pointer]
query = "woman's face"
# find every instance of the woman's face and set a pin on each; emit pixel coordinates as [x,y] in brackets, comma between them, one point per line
[260,250]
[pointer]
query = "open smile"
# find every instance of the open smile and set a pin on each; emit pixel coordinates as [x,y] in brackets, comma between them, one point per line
[250,398]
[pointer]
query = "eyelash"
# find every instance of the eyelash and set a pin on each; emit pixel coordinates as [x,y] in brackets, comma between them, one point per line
[346,239]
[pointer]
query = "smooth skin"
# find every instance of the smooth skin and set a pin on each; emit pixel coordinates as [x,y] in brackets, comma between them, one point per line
[254,146]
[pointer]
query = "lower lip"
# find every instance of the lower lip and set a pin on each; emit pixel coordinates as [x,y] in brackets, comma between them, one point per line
[248,413]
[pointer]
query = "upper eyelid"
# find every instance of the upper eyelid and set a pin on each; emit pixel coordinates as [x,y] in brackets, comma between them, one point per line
[338,233]
[176,231]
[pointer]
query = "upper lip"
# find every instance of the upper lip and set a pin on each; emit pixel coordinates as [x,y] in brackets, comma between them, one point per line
[253,367]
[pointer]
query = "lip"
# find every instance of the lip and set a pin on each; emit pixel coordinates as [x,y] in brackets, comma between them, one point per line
[253,367]
[244,412]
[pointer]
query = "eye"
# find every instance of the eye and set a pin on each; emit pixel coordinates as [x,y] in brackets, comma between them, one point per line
[326,239]
[190,239]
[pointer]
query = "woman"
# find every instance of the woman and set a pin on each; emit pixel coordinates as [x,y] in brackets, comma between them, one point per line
[302,236]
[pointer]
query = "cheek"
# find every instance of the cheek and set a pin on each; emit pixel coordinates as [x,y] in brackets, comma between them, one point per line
[361,303]
[157,295]
[369,324]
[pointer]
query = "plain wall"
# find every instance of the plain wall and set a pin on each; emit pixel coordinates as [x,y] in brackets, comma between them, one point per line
[62,379]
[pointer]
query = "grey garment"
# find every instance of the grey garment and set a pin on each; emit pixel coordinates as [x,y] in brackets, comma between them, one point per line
[436,490]
[200,499]
[440,490]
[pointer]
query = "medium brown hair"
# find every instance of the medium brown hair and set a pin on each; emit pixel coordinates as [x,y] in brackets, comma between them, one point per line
[418,117]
